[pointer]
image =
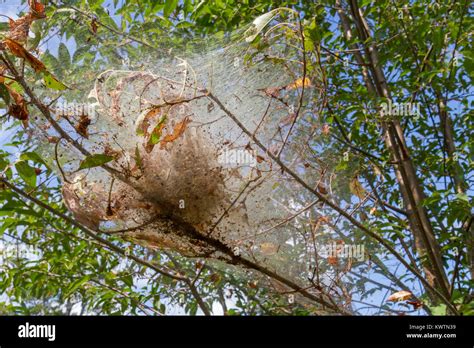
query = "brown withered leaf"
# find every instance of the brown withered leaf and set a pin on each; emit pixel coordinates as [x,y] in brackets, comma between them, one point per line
[326,129]
[177,132]
[37,9]
[19,51]
[82,126]
[18,109]
[109,151]
[52,140]
[253,284]
[324,219]
[416,304]
[19,28]
[322,189]
[198,265]
[94,25]
[400,296]
[272,91]
[332,260]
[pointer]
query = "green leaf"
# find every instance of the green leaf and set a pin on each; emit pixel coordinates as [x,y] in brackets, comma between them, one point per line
[439,310]
[26,172]
[64,56]
[4,93]
[53,83]
[4,26]
[32,156]
[462,197]
[156,133]
[170,6]
[74,286]
[95,161]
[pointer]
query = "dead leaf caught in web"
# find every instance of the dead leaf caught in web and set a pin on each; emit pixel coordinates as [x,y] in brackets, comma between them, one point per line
[400,296]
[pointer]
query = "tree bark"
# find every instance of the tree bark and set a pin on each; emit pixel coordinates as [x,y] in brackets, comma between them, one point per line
[412,193]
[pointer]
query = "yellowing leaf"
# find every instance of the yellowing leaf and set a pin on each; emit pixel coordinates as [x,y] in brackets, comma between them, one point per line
[155,134]
[300,83]
[52,82]
[400,296]
[356,188]
[145,123]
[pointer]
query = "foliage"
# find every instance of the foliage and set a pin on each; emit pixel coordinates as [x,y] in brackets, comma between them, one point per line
[425,53]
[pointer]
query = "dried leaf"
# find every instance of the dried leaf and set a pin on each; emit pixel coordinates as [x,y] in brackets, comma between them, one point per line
[143,127]
[322,189]
[109,151]
[52,140]
[299,83]
[19,112]
[253,284]
[400,296]
[177,132]
[82,126]
[19,51]
[37,9]
[268,248]
[326,129]
[416,304]
[272,91]
[18,109]
[94,26]
[332,260]
[324,219]
[356,187]
[19,28]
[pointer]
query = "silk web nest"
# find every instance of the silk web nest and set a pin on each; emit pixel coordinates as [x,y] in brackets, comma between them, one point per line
[170,166]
